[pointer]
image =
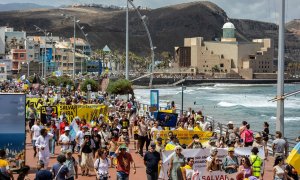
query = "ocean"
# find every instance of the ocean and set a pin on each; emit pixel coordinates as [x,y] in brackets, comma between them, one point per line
[234,102]
[13,143]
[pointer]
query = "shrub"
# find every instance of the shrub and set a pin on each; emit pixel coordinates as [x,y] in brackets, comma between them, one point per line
[93,83]
[121,86]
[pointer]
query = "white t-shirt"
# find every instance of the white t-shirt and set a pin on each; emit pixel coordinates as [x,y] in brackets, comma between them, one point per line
[63,138]
[36,131]
[102,166]
[80,136]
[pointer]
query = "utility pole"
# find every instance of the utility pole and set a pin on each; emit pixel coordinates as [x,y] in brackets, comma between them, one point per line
[127,42]
[74,43]
[280,72]
[182,89]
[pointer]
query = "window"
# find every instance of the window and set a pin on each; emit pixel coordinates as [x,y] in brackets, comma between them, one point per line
[64,57]
[221,65]
[222,56]
[22,55]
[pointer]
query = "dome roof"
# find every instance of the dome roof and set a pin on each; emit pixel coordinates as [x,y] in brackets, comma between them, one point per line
[228,25]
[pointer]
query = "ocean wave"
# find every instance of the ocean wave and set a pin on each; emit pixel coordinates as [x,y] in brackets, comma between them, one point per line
[226,104]
[287,118]
[206,88]
[242,85]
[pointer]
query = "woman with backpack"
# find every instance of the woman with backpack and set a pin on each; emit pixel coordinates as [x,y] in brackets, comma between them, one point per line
[101,165]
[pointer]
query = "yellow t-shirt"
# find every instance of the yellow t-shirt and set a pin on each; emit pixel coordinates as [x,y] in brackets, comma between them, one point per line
[180,129]
[197,128]
[3,163]
[170,147]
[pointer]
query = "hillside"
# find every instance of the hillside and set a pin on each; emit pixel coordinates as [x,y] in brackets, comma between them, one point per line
[168,25]
[21,6]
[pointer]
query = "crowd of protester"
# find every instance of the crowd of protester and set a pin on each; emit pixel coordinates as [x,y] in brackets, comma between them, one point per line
[103,143]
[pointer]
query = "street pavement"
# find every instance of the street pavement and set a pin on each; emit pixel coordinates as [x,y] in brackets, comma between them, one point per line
[140,172]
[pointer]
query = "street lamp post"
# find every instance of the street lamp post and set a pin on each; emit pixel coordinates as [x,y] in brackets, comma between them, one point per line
[44,57]
[74,39]
[127,42]
[149,38]
[182,90]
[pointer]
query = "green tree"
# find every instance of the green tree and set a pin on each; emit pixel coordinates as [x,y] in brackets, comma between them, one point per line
[93,83]
[121,86]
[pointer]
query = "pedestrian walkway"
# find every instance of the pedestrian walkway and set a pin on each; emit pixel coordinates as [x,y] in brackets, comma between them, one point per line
[140,173]
[31,161]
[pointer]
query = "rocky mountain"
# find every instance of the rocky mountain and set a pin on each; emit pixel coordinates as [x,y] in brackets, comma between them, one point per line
[21,6]
[168,25]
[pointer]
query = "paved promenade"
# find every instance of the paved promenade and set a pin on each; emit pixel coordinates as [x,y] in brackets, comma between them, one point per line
[140,173]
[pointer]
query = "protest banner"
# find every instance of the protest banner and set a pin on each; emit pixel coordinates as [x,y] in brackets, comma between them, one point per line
[39,102]
[200,156]
[167,119]
[185,136]
[87,112]
[90,111]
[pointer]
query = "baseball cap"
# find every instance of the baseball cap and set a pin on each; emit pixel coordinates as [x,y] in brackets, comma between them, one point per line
[159,139]
[123,146]
[197,122]
[67,128]
[85,127]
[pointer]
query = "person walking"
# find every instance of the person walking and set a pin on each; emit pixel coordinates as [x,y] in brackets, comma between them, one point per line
[124,159]
[42,143]
[60,170]
[245,170]
[31,115]
[5,172]
[187,170]
[177,161]
[256,162]
[42,173]
[87,154]
[279,169]
[101,165]
[35,133]
[65,140]
[279,146]
[230,162]
[151,160]
[71,164]
[142,135]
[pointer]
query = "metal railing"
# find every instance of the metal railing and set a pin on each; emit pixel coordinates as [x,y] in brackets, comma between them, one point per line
[222,128]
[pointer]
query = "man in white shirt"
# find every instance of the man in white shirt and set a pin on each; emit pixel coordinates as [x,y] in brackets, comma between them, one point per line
[42,143]
[79,137]
[35,133]
[203,125]
[65,140]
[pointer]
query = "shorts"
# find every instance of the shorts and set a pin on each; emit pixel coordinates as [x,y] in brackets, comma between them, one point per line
[112,154]
[33,143]
[136,137]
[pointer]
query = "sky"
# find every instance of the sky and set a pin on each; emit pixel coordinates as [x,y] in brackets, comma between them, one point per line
[12,113]
[262,10]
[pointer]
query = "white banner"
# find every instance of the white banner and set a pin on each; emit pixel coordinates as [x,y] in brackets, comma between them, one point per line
[73,129]
[200,156]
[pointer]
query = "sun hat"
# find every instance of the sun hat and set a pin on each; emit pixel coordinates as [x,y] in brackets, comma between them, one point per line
[231,149]
[257,135]
[230,122]
[197,122]
[178,147]
[69,151]
[67,128]
[254,150]
[85,127]
[213,150]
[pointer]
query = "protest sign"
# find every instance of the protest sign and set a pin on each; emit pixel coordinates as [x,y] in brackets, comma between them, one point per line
[73,129]
[185,136]
[87,112]
[200,156]
[167,119]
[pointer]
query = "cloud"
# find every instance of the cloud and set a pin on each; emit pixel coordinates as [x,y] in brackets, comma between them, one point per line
[262,10]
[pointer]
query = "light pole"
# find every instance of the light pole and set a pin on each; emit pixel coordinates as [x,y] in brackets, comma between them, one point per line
[182,89]
[143,18]
[44,73]
[74,39]
[127,42]
[280,73]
